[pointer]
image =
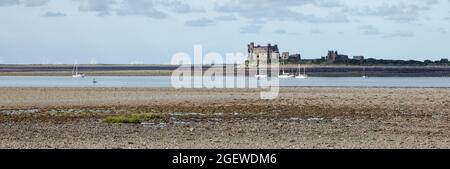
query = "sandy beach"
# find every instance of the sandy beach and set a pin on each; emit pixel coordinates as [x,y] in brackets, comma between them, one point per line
[225,118]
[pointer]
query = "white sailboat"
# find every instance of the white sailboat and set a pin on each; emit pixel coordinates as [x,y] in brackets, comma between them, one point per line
[284,75]
[364,73]
[300,75]
[261,76]
[75,73]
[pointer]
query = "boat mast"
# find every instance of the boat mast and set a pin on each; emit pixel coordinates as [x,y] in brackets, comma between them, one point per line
[73,69]
[304,70]
[76,69]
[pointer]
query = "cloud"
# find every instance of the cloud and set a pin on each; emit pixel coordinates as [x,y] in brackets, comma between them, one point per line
[226,18]
[202,22]
[9,2]
[28,3]
[401,13]
[368,30]
[280,10]
[102,7]
[399,34]
[331,18]
[432,2]
[182,8]
[141,8]
[252,28]
[34,3]
[53,14]
[328,3]
[443,30]
[156,9]
[279,31]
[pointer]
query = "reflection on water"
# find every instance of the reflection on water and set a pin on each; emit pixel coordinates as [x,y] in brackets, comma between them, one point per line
[165,81]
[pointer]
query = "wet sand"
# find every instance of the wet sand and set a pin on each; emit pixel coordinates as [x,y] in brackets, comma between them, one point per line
[226,118]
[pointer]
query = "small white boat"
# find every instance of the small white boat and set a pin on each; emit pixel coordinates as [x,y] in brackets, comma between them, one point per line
[75,73]
[300,75]
[261,76]
[285,75]
[78,76]
[364,76]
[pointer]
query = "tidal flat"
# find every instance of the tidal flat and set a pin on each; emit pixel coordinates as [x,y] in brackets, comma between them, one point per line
[224,118]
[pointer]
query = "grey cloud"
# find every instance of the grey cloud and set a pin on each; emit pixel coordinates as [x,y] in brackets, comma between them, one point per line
[431,2]
[28,3]
[279,31]
[328,3]
[202,22]
[279,10]
[226,18]
[443,30]
[368,30]
[157,9]
[33,3]
[102,7]
[401,12]
[141,8]
[53,14]
[399,34]
[185,8]
[180,7]
[331,18]
[9,2]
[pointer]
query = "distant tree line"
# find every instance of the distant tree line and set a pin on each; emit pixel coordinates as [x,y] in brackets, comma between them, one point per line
[370,62]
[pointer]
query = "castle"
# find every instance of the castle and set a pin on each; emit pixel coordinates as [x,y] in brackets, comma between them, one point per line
[262,54]
[265,54]
[334,56]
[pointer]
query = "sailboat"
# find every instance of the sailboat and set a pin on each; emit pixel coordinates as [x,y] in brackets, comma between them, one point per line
[364,73]
[300,75]
[75,73]
[284,75]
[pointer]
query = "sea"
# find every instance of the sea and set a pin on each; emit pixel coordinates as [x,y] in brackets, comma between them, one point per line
[166,82]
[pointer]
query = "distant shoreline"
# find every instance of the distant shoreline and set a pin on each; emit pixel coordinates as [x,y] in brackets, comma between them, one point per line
[166,70]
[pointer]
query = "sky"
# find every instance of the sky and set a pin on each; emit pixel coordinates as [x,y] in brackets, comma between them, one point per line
[152,31]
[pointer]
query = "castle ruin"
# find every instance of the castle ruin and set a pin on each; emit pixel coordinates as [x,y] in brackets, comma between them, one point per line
[262,54]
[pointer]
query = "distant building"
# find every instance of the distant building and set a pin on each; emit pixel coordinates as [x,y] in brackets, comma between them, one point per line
[285,56]
[334,56]
[262,54]
[295,57]
[361,58]
[292,58]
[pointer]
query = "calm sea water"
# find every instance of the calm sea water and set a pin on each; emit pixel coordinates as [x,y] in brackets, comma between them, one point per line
[165,81]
